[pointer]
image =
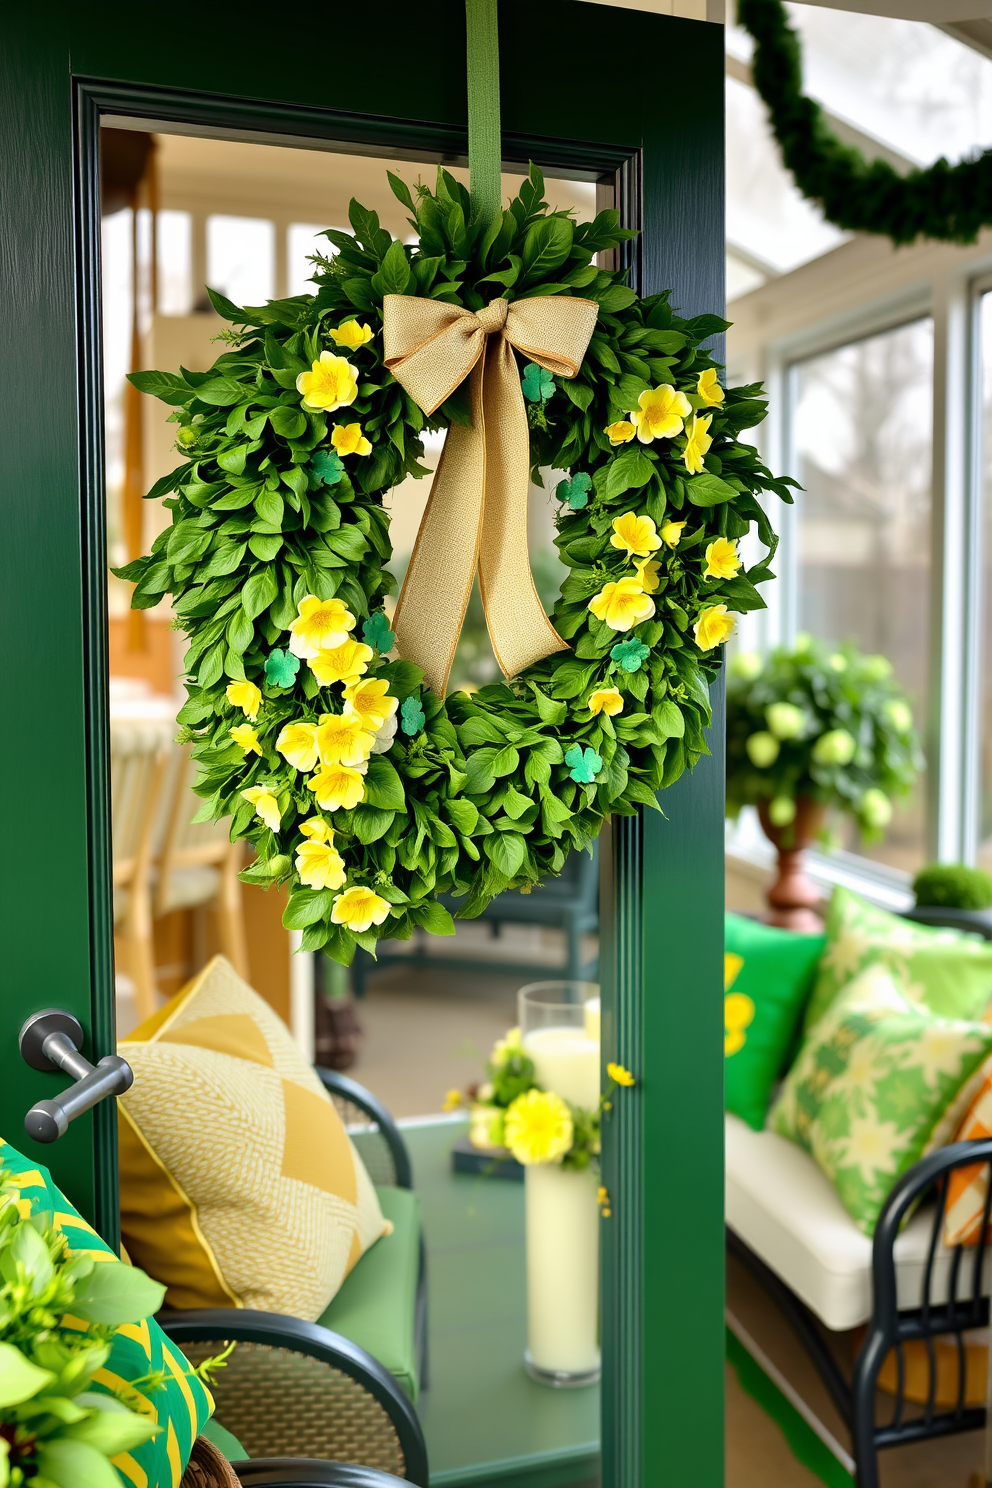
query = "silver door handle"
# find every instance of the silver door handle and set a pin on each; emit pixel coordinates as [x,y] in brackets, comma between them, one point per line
[51,1040]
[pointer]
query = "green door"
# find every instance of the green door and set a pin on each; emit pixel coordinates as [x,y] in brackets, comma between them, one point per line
[627,97]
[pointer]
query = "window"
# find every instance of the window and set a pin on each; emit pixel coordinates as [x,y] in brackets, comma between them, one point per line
[241,258]
[862,441]
[302,241]
[175,263]
[984,599]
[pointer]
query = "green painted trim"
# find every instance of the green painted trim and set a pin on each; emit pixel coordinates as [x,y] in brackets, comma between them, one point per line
[482,67]
[803,1441]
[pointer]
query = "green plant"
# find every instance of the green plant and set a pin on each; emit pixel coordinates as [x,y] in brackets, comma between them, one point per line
[470,794]
[823,722]
[948,203]
[953,886]
[58,1316]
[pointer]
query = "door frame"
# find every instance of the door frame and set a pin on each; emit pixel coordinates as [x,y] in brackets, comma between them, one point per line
[662,1414]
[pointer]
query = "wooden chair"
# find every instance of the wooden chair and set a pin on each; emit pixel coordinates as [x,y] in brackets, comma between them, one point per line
[199,864]
[139,768]
[300,1390]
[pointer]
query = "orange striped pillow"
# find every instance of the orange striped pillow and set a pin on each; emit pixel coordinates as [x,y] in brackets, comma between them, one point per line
[967,1187]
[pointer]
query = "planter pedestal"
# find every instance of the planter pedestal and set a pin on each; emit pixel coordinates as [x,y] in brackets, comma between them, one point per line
[793,898]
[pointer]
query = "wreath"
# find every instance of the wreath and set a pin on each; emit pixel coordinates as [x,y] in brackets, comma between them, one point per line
[363,790]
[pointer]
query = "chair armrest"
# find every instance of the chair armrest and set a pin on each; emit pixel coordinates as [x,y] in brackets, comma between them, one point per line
[924,1175]
[302,1472]
[204,1324]
[350,1090]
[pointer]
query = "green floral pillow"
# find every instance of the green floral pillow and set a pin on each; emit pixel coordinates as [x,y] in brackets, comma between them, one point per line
[871,1085]
[173,1396]
[946,971]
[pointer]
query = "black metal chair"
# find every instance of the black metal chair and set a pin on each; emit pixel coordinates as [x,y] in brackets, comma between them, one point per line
[569,902]
[296,1390]
[965,1307]
[284,1472]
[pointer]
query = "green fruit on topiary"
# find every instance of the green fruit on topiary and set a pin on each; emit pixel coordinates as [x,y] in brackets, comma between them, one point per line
[953,886]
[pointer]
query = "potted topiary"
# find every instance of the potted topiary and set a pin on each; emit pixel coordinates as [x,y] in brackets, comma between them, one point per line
[809,731]
[955,895]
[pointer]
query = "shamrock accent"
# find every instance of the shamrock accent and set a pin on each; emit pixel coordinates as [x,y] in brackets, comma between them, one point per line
[575,491]
[328,466]
[537,383]
[412,717]
[376,632]
[629,654]
[281,668]
[585,764]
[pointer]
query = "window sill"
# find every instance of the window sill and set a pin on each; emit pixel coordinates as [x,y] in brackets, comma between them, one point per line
[886,887]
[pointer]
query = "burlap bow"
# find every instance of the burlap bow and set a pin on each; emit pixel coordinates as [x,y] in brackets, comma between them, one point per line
[476,516]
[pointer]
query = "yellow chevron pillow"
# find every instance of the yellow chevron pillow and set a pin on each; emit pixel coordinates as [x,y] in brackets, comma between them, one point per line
[239,1185]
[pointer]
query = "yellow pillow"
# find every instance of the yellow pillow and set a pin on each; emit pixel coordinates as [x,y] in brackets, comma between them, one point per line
[239,1184]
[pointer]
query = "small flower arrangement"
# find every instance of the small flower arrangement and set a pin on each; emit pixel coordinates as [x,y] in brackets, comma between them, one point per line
[821,722]
[58,1316]
[510,1110]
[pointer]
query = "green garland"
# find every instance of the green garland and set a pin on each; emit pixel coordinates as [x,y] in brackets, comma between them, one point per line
[278,509]
[948,203]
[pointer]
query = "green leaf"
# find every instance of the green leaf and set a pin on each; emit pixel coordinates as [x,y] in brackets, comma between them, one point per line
[19,1378]
[668,717]
[164,385]
[550,712]
[259,592]
[306,907]
[270,507]
[111,1427]
[291,423]
[627,472]
[708,490]
[506,851]
[505,761]
[383,787]
[114,1293]
[30,1252]
[73,1464]
[462,813]
[434,918]
[394,274]
[401,191]
[515,804]
[547,244]
[221,392]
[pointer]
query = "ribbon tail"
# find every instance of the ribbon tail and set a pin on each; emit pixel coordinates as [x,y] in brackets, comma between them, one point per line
[520,631]
[438,582]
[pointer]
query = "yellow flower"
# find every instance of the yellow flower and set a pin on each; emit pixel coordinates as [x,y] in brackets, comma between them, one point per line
[722,559]
[738,1014]
[332,382]
[713,627]
[342,663]
[622,605]
[262,797]
[636,536]
[697,443]
[246,696]
[619,1075]
[246,738]
[320,865]
[348,439]
[343,740]
[359,909]
[606,700]
[297,743]
[603,1200]
[317,830]
[671,533]
[452,1100]
[622,432]
[662,410]
[322,625]
[538,1127]
[353,335]
[647,575]
[336,787]
[370,701]
[708,388]
[505,1048]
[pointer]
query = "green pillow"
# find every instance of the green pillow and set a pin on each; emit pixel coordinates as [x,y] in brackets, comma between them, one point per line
[946,971]
[767,975]
[179,1402]
[872,1082]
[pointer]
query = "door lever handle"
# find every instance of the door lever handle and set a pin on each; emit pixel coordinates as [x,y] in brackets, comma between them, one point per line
[51,1040]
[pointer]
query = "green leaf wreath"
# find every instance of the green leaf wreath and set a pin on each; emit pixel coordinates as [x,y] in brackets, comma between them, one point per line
[360,790]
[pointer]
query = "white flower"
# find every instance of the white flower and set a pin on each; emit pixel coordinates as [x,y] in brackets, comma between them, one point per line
[871,1146]
[385,736]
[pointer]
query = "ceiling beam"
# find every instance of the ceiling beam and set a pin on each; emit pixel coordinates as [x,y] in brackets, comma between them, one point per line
[976,34]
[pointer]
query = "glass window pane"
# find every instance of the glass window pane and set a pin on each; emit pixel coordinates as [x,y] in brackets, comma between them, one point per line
[175,263]
[862,437]
[241,258]
[985,654]
[302,240]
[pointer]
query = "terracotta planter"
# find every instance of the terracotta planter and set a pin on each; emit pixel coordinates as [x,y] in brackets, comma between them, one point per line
[793,898]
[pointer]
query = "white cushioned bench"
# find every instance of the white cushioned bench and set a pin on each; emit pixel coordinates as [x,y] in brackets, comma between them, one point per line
[786,1210]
